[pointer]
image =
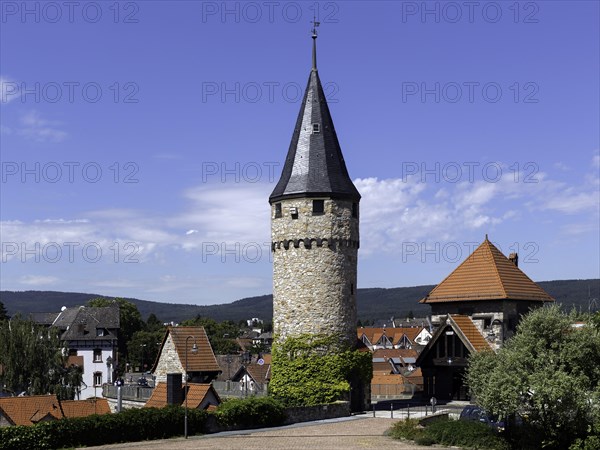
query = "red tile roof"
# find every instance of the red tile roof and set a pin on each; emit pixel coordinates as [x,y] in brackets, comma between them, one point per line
[202,360]
[486,275]
[30,410]
[196,395]
[465,325]
[395,353]
[83,408]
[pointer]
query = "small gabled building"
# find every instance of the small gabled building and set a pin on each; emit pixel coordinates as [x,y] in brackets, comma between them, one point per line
[254,376]
[489,288]
[444,360]
[202,366]
[174,392]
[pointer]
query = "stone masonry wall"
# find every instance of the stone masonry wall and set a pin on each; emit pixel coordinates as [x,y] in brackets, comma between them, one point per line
[168,362]
[314,270]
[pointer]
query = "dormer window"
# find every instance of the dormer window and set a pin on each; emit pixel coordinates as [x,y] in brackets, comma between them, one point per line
[100,332]
[316,128]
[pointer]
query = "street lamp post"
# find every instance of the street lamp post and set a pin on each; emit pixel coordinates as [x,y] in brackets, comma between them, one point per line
[194,350]
[109,362]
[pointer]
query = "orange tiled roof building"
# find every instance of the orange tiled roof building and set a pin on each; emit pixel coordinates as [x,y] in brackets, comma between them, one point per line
[475,308]
[202,366]
[490,289]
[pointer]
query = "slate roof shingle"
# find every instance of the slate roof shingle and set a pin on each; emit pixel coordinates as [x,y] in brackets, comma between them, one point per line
[314,166]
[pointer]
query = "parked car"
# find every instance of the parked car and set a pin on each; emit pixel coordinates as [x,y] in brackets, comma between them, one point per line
[476,414]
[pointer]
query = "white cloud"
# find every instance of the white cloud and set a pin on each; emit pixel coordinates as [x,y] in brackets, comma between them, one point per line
[35,128]
[37,280]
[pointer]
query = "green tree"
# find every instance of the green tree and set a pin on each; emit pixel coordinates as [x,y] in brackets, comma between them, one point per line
[142,348]
[153,323]
[130,320]
[3,312]
[549,372]
[33,360]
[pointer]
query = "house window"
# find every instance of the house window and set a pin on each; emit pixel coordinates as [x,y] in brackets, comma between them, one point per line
[97,355]
[355,210]
[318,207]
[97,378]
[278,213]
[316,128]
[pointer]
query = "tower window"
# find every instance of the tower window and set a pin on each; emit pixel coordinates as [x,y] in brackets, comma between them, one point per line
[316,128]
[355,210]
[318,207]
[351,288]
[278,213]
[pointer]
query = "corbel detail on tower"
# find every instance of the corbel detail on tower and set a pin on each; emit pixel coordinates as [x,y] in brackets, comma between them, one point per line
[319,242]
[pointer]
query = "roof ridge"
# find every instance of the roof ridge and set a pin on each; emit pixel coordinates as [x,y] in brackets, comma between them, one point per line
[493,256]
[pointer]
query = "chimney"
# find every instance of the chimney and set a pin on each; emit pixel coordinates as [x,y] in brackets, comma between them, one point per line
[174,389]
[514,258]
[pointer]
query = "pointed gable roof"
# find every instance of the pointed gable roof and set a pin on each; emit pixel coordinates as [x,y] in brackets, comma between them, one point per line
[203,360]
[466,331]
[314,166]
[486,275]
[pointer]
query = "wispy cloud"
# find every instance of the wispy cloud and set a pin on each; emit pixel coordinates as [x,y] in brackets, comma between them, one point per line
[37,280]
[35,128]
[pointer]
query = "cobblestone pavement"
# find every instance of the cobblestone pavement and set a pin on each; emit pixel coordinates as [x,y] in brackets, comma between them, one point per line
[358,432]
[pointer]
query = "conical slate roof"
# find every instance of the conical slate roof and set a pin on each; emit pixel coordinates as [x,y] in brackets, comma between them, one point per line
[314,166]
[486,275]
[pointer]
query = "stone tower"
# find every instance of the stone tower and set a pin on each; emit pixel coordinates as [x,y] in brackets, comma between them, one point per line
[314,229]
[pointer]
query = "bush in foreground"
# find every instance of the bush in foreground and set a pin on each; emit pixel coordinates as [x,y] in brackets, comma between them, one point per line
[450,432]
[251,412]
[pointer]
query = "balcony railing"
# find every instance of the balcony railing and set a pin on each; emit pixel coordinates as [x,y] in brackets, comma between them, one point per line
[239,389]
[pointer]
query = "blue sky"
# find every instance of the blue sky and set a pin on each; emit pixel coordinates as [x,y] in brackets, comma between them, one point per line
[140,140]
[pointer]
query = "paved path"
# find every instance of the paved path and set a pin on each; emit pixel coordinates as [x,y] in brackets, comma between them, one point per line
[358,432]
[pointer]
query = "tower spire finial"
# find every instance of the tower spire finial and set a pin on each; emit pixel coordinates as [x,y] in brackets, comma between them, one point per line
[314,36]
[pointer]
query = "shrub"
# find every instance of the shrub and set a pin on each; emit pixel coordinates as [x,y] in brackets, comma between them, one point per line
[407,429]
[127,426]
[465,434]
[450,432]
[251,412]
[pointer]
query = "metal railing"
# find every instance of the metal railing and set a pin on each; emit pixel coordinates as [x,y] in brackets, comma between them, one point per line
[135,393]
[239,389]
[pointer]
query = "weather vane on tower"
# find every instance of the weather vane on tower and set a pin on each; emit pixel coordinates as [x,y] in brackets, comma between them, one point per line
[315,25]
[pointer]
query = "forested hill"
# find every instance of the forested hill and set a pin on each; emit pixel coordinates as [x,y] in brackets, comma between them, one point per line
[373,303]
